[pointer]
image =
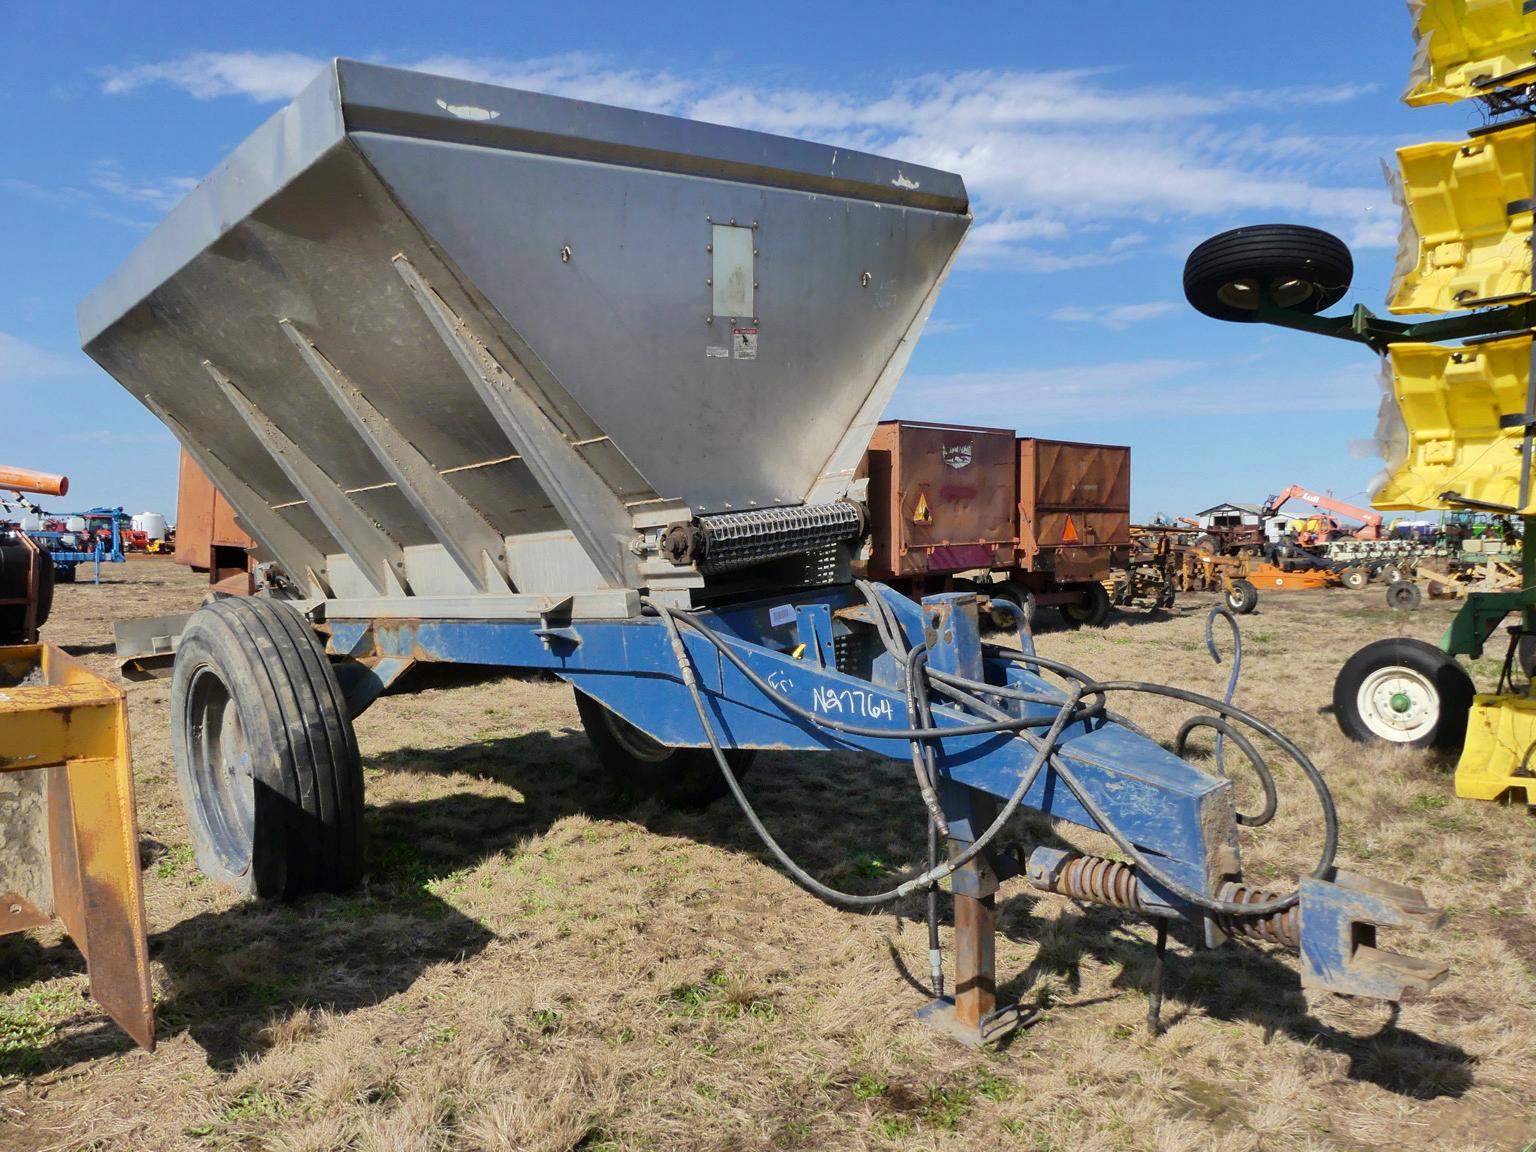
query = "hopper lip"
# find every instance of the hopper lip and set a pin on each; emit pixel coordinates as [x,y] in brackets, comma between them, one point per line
[400,102]
[353,97]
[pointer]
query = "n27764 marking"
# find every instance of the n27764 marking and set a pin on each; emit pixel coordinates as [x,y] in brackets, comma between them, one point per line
[852,702]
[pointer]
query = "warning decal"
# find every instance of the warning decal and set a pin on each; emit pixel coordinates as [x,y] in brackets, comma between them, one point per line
[744,344]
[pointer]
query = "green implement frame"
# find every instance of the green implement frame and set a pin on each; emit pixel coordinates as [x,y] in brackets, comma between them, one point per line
[1481,615]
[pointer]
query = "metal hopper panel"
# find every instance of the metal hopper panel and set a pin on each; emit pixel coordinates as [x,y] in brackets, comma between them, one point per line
[437,338]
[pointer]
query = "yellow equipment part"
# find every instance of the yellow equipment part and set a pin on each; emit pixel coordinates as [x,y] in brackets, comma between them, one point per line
[1441,424]
[69,837]
[1500,753]
[1467,221]
[1468,48]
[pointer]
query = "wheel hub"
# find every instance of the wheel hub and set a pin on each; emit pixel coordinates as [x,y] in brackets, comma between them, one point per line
[221,769]
[1398,704]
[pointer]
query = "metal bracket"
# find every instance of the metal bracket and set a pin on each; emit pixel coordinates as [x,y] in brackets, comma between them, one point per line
[276,536]
[364,680]
[478,549]
[1339,918]
[382,562]
[586,503]
[146,647]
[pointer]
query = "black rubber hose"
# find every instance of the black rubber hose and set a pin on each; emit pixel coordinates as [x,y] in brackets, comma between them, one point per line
[794,709]
[1260,768]
[1046,748]
[929,878]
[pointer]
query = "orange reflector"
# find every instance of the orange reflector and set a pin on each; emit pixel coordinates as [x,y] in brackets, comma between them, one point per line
[921,515]
[1069,533]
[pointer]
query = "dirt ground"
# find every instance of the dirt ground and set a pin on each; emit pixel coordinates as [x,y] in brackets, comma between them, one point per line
[536,962]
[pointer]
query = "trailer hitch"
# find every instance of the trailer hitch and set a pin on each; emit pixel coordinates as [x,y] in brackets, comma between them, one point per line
[1333,924]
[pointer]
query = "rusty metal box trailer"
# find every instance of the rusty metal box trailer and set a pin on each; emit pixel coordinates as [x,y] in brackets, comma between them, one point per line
[1044,521]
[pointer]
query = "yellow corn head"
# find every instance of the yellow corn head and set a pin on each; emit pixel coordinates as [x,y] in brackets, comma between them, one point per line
[1468,48]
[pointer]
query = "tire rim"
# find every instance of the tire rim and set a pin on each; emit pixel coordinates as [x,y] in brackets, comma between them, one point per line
[1240,294]
[1398,704]
[635,743]
[220,762]
[1289,293]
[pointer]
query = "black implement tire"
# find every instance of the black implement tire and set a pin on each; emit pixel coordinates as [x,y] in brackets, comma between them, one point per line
[1205,544]
[45,582]
[265,752]
[1091,612]
[1243,597]
[1168,595]
[644,767]
[15,578]
[65,574]
[1404,595]
[1403,692]
[1354,578]
[1298,268]
[1020,597]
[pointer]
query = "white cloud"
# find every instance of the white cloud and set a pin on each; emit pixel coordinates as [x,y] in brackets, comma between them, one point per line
[1048,156]
[576,74]
[1155,388]
[260,76]
[1117,316]
[23,363]
[938,326]
[161,193]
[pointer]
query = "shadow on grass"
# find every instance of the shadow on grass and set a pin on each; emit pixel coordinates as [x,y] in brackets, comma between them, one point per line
[1237,983]
[229,975]
[853,821]
[856,821]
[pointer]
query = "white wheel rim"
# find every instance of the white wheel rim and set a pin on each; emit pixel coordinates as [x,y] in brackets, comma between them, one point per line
[1398,704]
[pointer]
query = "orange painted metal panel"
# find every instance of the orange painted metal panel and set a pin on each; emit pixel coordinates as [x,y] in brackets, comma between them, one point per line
[1074,506]
[204,519]
[941,498]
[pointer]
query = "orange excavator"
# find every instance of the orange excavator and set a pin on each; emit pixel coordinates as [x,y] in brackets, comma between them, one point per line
[1327,527]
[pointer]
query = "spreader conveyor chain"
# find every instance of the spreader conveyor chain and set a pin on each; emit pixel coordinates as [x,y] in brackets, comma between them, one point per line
[729,540]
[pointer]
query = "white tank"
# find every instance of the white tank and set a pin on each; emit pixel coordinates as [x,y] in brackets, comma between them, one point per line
[75,524]
[152,524]
[31,522]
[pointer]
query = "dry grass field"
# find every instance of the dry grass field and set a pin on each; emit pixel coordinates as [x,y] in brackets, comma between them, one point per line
[536,962]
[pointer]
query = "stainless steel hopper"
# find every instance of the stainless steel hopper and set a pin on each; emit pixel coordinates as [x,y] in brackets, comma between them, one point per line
[437,339]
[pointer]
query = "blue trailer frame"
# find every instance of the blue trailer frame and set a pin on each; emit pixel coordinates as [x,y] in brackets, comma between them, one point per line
[1179,816]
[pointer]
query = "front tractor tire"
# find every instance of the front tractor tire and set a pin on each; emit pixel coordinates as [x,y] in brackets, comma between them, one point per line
[265,753]
[1286,266]
[644,767]
[1404,692]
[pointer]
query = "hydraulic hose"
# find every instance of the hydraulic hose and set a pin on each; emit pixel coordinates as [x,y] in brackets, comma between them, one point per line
[1069,708]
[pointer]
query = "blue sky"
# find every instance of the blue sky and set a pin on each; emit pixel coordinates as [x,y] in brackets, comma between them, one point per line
[1100,141]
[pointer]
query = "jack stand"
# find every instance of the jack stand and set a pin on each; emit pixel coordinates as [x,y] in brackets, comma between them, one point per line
[1159,966]
[971,1015]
